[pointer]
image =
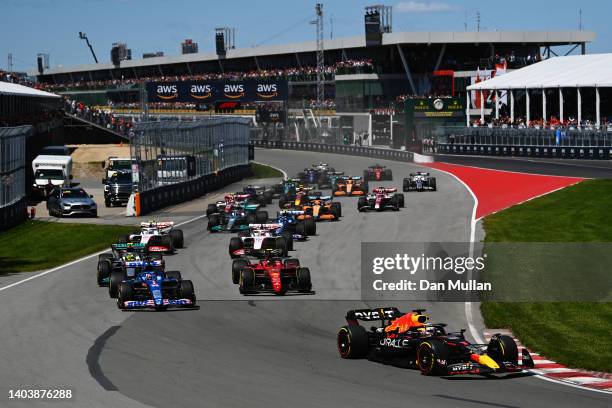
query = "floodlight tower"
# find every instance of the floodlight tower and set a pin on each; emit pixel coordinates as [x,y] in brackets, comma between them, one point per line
[320,56]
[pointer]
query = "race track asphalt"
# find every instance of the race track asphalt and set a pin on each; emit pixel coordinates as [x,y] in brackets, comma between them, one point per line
[61,330]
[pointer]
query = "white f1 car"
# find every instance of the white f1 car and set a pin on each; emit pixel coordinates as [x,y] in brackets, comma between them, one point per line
[157,236]
[260,241]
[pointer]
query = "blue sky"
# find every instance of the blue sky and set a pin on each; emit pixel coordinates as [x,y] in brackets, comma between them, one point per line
[28,27]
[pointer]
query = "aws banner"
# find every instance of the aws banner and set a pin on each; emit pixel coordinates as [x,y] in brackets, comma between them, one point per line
[212,91]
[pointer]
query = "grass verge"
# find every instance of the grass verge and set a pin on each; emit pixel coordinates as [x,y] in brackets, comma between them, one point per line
[263,171]
[37,245]
[573,333]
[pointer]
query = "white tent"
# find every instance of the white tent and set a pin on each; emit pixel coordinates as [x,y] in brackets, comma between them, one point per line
[575,71]
[7,88]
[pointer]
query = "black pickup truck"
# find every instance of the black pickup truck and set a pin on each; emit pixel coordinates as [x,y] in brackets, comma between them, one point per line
[117,188]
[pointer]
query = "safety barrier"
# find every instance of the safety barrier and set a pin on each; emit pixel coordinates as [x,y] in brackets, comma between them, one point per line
[365,151]
[13,214]
[164,196]
[560,152]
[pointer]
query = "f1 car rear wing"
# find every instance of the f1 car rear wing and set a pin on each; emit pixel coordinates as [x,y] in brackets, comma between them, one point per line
[355,178]
[335,173]
[126,246]
[160,225]
[289,212]
[264,226]
[367,315]
[384,190]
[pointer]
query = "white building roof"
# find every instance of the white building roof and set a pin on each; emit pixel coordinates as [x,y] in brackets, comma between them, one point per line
[541,38]
[575,71]
[8,88]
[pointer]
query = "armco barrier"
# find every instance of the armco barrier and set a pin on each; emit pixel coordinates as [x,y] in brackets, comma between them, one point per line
[365,151]
[171,194]
[552,152]
[13,214]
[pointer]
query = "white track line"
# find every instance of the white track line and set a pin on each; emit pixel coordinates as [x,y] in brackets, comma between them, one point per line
[57,268]
[274,167]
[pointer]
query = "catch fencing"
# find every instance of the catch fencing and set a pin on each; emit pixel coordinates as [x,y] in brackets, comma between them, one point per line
[176,161]
[12,175]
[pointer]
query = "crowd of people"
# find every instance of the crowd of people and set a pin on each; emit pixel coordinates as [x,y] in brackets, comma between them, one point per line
[520,122]
[101,117]
[292,74]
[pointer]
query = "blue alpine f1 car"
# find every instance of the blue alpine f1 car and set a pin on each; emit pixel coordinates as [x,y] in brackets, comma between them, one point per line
[155,290]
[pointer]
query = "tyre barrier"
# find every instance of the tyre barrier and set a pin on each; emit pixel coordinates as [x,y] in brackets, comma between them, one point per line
[365,151]
[560,152]
[172,194]
[13,214]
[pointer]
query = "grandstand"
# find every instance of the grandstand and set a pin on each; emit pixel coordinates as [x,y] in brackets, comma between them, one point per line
[359,79]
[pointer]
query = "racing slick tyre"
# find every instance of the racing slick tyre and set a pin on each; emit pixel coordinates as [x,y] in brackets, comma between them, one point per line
[282,245]
[289,238]
[362,203]
[303,280]
[429,355]
[247,279]
[406,186]
[365,175]
[187,292]
[261,217]
[125,293]
[123,239]
[311,226]
[365,187]
[400,199]
[352,341]
[103,271]
[337,208]
[177,238]
[213,221]
[503,348]
[174,275]
[432,183]
[268,195]
[300,228]
[251,218]
[282,201]
[106,256]
[387,175]
[261,200]
[395,203]
[235,245]
[211,209]
[237,266]
[116,277]
[291,262]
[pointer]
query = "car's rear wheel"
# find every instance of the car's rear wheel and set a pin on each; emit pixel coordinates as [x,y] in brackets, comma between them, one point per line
[352,341]
[362,203]
[105,256]
[430,355]
[304,283]
[503,348]
[187,291]
[104,271]
[116,277]
[268,195]
[174,275]
[289,239]
[235,244]
[311,226]
[211,209]
[432,183]
[237,266]
[125,293]
[281,245]
[337,208]
[261,217]
[247,279]
[177,238]
[400,200]
[213,221]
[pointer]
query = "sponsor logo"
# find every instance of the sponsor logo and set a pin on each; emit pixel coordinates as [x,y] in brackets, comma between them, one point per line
[395,343]
[374,314]
[267,90]
[438,104]
[201,91]
[167,92]
[233,91]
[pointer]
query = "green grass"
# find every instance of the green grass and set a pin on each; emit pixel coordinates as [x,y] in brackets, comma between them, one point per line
[37,245]
[263,171]
[573,333]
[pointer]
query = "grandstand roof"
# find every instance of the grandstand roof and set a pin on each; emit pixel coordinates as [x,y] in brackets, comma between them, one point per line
[540,38]
[575,71]
[8,88]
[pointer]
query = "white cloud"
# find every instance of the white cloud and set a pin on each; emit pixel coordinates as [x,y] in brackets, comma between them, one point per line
[424,7]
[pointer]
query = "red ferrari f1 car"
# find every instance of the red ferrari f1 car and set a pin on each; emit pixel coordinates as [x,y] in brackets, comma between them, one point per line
[271,275]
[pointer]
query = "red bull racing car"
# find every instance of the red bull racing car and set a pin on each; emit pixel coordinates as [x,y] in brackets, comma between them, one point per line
[408,340]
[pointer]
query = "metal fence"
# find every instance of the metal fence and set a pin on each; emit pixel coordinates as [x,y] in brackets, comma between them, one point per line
[12,163]
[170,152]
[525,137]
